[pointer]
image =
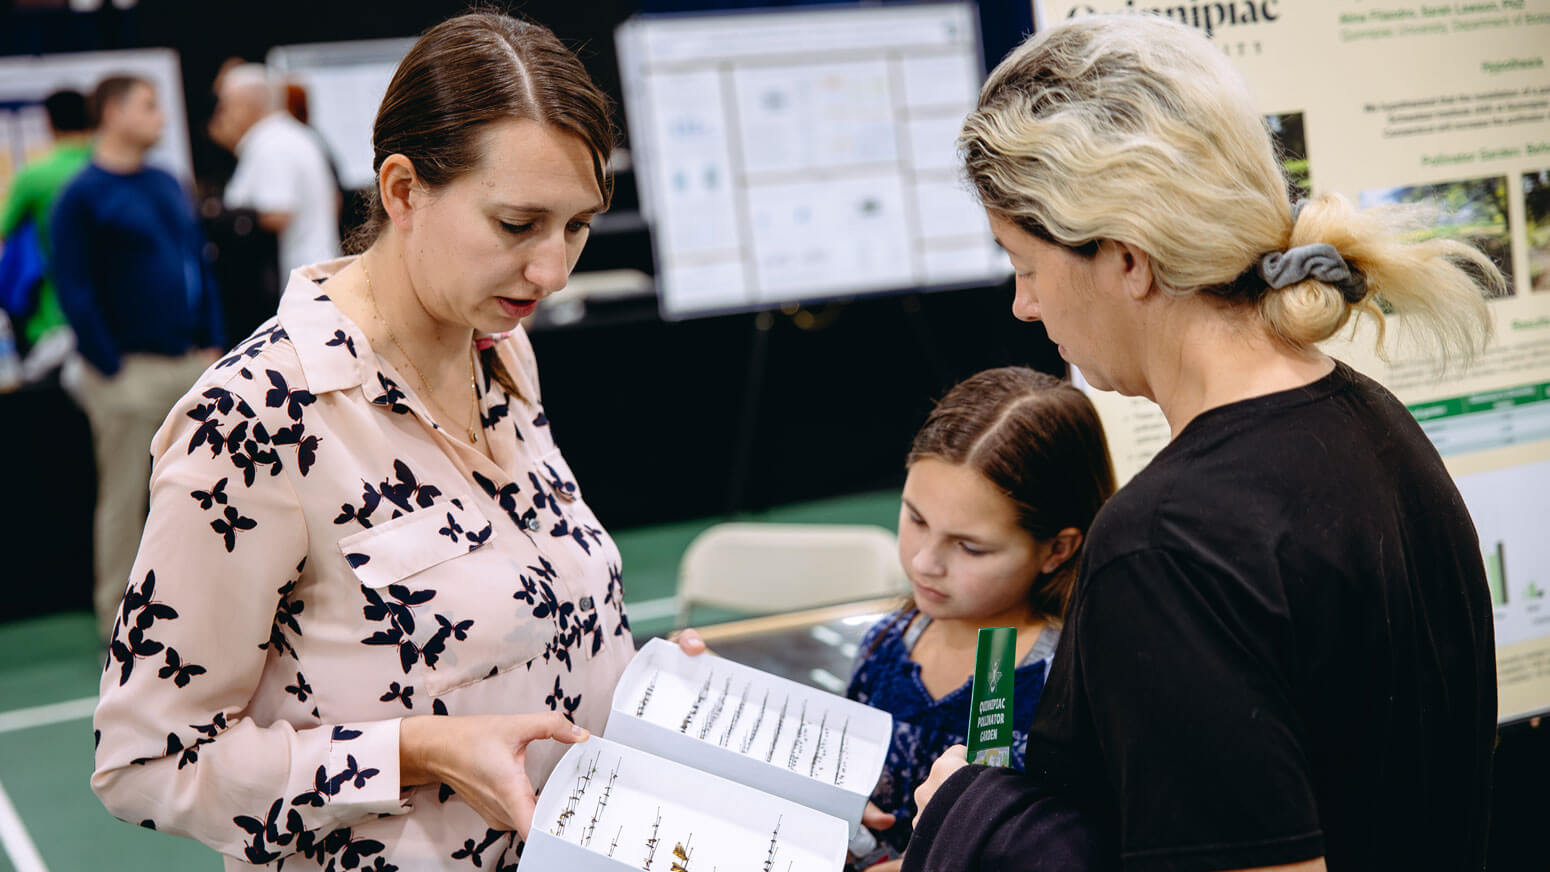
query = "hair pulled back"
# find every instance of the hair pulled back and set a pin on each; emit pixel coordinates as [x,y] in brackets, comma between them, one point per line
[460,77]
[1038,440]
[467,73]
[1133,128]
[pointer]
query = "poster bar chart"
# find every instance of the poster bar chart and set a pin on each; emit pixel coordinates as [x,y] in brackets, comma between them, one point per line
[1496,574]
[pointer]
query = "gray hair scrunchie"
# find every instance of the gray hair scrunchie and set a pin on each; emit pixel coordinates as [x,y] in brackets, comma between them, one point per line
[1318,261]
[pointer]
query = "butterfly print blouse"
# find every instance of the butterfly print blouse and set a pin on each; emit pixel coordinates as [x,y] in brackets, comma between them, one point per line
[322,560]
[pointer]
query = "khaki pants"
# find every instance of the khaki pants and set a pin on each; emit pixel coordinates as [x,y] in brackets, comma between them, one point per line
[125,411]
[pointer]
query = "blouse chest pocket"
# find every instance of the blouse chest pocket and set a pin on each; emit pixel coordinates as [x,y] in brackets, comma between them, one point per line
[552,470]
[436,590]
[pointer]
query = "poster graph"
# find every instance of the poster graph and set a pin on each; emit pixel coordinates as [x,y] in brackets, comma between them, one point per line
[1509,507]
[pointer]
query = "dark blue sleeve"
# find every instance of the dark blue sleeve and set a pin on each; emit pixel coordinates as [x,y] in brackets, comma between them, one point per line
[209,317]
[71,231]
[214,315]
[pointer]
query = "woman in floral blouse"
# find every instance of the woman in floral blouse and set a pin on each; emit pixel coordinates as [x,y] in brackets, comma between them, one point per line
[369,584]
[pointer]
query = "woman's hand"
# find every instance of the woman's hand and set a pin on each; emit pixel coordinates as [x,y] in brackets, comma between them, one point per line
[689,642]
[951,761]
[874,818]
[483,758]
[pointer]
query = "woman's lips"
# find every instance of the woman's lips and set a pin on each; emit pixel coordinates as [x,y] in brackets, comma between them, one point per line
[517,308]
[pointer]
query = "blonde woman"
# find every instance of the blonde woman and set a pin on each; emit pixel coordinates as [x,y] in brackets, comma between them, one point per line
[1279,650]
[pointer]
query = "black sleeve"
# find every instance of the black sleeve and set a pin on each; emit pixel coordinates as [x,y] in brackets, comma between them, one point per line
[1188,673]
[1001,820]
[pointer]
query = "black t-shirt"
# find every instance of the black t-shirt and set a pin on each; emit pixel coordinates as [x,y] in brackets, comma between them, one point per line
[1280,647]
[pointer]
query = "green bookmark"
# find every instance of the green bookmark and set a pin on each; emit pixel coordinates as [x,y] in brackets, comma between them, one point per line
[990,714]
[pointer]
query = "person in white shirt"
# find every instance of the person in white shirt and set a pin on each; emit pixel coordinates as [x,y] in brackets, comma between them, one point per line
[282,171]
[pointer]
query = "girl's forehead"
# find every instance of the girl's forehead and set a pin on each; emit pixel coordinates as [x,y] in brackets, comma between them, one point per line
[958,493]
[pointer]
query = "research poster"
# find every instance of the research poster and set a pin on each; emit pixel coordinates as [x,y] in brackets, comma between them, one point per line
[25,80]
[805,154]
[1445,105]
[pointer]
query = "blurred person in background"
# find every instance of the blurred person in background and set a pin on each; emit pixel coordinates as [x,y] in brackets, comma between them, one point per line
[282,171]
[31,199]
[130,273]
[298,105]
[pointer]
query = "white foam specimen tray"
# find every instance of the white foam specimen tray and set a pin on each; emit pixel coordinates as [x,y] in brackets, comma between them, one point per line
[609,807]
[811,747]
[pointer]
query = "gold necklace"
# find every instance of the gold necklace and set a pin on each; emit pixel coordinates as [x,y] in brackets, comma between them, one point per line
[430,392]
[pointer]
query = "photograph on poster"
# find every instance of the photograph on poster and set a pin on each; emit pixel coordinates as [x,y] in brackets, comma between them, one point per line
[1536,224]
[1288,132]
[1471,210]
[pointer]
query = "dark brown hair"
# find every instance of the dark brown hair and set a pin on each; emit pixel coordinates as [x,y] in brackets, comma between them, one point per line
[1038,440]
[111,90]
[464,75]
[67,112]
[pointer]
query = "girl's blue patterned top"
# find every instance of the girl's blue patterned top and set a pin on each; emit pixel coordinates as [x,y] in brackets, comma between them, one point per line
[923,727]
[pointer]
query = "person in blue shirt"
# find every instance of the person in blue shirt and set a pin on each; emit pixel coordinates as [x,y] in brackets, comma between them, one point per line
[1003,480]
[131,277]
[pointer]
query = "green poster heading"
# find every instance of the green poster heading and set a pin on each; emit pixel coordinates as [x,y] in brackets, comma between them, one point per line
[1488,401]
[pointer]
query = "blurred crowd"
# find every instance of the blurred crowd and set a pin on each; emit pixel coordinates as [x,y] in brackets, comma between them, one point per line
[120,287]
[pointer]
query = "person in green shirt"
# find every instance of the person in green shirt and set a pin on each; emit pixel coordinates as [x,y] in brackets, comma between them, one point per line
[34,189]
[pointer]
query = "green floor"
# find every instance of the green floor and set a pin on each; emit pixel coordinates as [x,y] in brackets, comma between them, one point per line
[44,769]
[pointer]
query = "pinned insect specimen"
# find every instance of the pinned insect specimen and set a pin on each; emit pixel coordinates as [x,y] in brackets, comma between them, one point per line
[839,761]
[758,721]
[651,843]
[699,700]
[737,713]
[565,814]
[602,803]
[769,860]
[715,710]
[615,846]
[682,851]
[796,744]
[823,737]
[778,724]
[640,710]
[582,781]
[585,781]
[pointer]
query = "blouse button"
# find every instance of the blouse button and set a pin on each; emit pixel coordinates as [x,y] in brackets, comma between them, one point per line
[586,603]
[533,524]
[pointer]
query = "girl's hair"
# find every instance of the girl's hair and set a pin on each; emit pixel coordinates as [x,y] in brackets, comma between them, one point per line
[1133,128]
[1038,440]
[464,75]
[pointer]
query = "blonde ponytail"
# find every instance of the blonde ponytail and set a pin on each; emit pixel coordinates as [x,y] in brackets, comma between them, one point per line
[1439,286]
[1137,129]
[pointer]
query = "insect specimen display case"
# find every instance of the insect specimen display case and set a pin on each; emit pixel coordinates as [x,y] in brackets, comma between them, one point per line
[710,765]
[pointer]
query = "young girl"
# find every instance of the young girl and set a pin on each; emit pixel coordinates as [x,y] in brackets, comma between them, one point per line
[1003,481]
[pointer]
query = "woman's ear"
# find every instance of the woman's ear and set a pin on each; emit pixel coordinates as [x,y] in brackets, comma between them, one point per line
[1133,267]
[396,185]
[1062,548]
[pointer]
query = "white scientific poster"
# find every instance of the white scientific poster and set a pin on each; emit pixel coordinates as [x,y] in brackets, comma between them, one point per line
[1444,104]
[798,155]
[344,82]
